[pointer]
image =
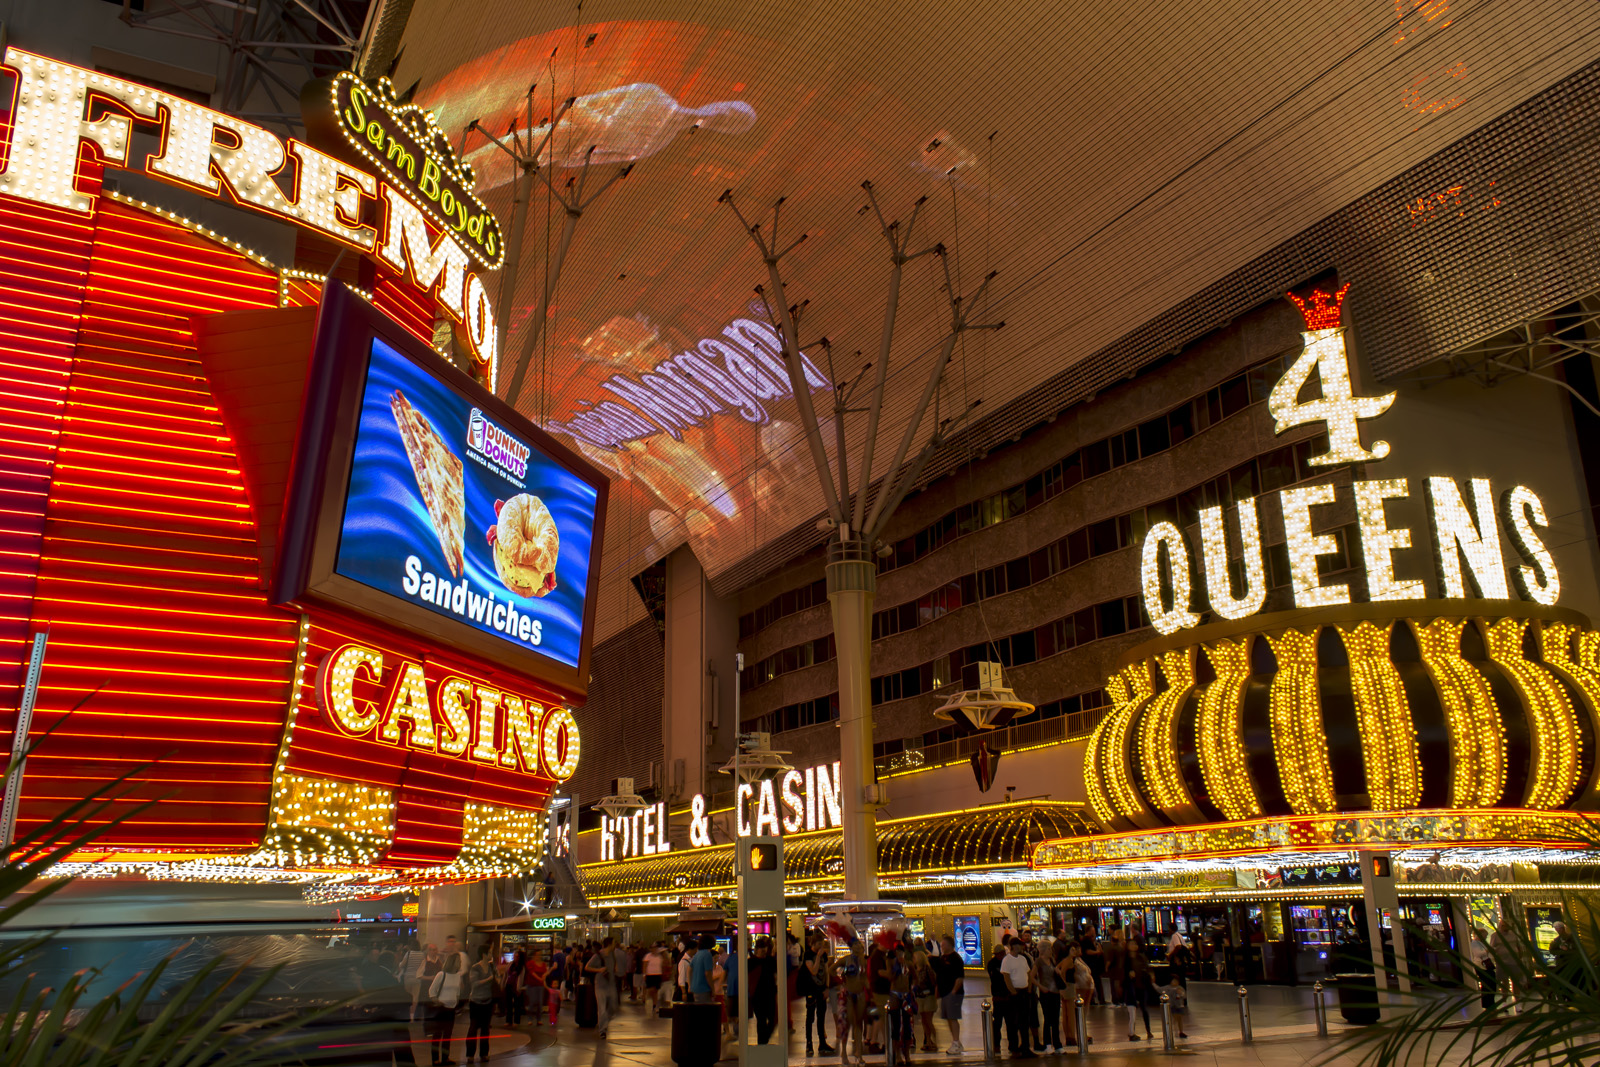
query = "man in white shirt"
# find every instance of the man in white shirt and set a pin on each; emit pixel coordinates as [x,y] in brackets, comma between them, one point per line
[1017,970]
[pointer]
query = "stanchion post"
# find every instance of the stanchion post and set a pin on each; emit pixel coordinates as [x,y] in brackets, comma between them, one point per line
[1083,1025]
[891,1035]
[1245,1034]
[1322,1010]
[983,1020]
[1167,1043]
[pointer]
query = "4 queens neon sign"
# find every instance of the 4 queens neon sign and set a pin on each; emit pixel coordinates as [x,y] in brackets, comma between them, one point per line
[1467,528]
[454,717]
[60,109]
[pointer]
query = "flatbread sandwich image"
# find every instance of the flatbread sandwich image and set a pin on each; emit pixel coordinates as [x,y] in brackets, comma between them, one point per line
[525,545]
[439,477]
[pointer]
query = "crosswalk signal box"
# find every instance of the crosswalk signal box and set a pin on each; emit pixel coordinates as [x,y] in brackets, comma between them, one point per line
[760,870]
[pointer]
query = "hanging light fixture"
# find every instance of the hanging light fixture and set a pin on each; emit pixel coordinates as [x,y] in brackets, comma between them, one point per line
[756,759]
[988,707]
[622,799]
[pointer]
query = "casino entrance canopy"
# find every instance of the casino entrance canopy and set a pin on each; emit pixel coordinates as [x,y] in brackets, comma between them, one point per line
[1109,162]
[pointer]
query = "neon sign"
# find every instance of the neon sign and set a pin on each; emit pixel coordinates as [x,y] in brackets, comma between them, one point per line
[452,716]
[735,372]
[404,145]
[1461,532]
[61,108]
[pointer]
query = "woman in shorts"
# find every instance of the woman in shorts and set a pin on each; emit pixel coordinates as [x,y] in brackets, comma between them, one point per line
[655,967]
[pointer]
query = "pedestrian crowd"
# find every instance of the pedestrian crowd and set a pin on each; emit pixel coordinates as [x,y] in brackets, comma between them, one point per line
[1037,987]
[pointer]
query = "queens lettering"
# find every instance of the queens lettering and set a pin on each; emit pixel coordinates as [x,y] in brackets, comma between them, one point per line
[1462,534]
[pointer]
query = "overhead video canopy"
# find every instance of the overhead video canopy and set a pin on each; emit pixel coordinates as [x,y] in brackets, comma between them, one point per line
[1108,161]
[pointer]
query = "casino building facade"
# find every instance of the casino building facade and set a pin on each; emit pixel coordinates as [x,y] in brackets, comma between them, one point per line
[1374,686]
[267,619]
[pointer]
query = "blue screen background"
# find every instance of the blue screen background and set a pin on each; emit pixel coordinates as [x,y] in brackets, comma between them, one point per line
[385,519]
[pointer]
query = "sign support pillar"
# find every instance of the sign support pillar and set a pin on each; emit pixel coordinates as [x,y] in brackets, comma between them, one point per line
[19,742]
[852,586]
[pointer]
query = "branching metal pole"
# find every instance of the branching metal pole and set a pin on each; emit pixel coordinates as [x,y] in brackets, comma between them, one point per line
[770,255]
[960,311]
[898,243]
[574,205]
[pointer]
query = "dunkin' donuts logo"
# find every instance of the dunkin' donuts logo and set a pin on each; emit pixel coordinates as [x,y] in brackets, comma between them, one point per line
[496,445]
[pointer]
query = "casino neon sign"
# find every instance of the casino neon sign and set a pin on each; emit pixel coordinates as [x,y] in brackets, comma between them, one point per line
[453,717]
[1467,527]
[60,109]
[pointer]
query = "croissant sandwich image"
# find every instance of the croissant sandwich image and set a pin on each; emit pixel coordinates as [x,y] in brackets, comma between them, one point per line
[526,545]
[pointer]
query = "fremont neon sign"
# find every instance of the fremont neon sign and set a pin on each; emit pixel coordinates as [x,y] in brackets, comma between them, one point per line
[1467,527]
[454,717]
[59,109]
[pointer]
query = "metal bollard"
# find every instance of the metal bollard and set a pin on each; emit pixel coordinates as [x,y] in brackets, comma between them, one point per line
[1167,1043]
[1245,1034]
[983,1024]
[1083,1026]
[1321,1006]
[891,1038]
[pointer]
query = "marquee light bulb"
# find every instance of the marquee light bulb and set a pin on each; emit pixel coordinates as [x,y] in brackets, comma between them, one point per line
[1219,584]
[1475,535]
[1164,535]
[1305,547]
[1379,542]
[1524,510]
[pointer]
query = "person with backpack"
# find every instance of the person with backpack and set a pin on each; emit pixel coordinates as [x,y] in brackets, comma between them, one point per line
[512,989]
[410,972]
[444,1000]
[481,983]
[812,983]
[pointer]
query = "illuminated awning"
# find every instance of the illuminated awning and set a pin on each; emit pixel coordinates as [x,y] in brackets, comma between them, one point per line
[976,839]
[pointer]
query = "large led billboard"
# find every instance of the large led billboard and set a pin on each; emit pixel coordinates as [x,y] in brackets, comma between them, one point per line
[420,500]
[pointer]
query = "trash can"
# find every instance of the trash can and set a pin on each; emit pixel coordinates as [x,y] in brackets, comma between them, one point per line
[1358,998]
[696,1034]
[586,1012]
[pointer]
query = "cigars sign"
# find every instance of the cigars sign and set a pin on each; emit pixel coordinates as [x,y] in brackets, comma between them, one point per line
[1469,527]
[60,110]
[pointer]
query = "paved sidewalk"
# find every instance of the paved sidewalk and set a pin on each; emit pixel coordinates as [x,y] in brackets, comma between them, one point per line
[1282,1020]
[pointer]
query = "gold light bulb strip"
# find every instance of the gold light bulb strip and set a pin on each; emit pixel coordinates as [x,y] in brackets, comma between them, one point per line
[1298,738]
[1383,717]
[1094,756]
[1556,645]
[1477,736]
[327,823]
[1120,741]
[1158,730]
[1220,732]
[1554,774]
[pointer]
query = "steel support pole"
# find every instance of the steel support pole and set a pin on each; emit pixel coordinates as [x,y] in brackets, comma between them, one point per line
[852,585]
[1246,1033]
[1321,1006]
[19,743]
[1083,1024]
